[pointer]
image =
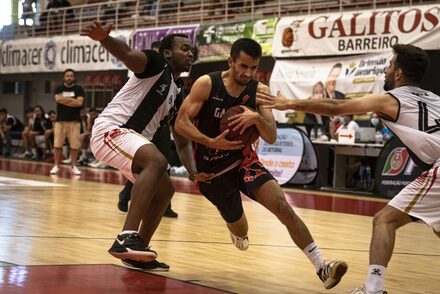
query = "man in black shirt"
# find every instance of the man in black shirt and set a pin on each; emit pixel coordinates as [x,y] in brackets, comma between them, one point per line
[70,99]
[10,128]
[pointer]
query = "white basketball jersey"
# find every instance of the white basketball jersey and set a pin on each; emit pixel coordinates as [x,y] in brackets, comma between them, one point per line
[418,123]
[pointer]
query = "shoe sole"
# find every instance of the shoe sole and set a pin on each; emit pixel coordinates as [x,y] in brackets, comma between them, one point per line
[157,269]
[338,271]
[137,256]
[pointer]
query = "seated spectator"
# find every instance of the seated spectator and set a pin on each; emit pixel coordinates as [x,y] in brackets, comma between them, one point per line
[30,116]
[36,135]
[85,136]
[380,127]
[49,136]
[317,122]
[348,123]
[10,128]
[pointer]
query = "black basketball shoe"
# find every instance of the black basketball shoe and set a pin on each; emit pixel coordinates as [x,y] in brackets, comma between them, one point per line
[130,246]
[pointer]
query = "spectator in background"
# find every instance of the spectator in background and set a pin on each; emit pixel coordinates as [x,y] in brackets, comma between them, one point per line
[348,123]
[29,114]
[36,136]
[70,99]
[49,136]
[316,121]
[379,126]
[10,128]
[330,83]
[84,137]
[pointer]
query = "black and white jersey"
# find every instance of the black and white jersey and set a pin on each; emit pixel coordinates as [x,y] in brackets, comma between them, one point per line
[145,102]
[418,123]
[208,123]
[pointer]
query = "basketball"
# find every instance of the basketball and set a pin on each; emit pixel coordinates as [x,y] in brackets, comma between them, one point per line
[249,136]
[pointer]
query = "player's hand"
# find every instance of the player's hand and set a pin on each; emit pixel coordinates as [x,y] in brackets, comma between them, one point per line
[267,100]
[242,121]
[202,177]
[220,142]
[96,32]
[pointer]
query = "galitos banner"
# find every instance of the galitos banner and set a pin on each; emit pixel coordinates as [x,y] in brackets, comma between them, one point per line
[354,32]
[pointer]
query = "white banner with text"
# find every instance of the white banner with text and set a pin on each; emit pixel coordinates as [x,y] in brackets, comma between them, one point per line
[354,32]
[336,78]
[58,53]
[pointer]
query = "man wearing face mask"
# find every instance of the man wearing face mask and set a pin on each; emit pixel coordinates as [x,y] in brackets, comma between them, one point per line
[379,126]
[347,122]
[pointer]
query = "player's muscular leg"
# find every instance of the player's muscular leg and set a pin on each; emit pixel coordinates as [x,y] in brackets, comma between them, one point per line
[156,209]
[150,165]
[271,196]
[240,227]
[385,224]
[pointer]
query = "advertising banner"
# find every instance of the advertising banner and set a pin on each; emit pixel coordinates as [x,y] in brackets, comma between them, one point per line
[214,41]
[283,157]
[58,53]
[308,168]
[354,32]
[337,78]
[143,38]
[394,169]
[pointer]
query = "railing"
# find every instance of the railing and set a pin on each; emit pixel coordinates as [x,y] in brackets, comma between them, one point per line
[132,14]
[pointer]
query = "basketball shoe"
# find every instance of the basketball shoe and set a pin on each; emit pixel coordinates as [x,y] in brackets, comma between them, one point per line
[153,265]
[363,290]
[239,242]
[332,272]
[130,246]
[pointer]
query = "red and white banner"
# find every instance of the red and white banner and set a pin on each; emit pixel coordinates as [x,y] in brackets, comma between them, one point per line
[343,77]
[365,31]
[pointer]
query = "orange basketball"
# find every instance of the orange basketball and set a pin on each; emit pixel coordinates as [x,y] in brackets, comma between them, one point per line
[249,136]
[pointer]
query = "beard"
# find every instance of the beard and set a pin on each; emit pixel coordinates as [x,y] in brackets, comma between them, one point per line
[389,84]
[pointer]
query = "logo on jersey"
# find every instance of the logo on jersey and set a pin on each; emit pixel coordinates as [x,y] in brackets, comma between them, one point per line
[219,112]
[162,89]
[245,99]
[217,98]
[395,162]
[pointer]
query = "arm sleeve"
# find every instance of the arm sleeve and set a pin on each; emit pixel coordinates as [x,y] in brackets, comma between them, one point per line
[155,64]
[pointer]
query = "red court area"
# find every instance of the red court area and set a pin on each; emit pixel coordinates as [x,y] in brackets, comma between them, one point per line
[90,279]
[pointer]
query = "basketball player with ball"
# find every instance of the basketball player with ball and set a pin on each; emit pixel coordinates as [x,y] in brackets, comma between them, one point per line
[227,152]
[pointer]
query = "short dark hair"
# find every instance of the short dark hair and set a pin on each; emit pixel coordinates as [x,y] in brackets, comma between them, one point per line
[168,42]
[412,60]
[248,46]
[155,44]
[71,70]
[3,110]
[50,112]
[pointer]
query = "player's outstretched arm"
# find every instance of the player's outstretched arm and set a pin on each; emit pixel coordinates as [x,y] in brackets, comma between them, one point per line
[134,60]
[384,105]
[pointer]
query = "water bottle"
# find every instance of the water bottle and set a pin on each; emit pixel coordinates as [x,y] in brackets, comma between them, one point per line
[368,176]
[312,134]
[378,137]
[319,134]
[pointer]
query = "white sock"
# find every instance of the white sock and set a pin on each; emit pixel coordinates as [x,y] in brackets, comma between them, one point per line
[127,232]
[375,278]
[313,254]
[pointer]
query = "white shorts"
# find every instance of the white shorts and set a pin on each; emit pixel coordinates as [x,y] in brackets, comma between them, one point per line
[421,198]
[117,148]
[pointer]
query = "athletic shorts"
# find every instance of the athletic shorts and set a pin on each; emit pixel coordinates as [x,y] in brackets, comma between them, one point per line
[117,148]
[224,190]
[421,198]
[69,130]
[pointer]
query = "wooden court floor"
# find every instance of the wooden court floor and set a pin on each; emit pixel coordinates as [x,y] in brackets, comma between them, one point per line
[56,231]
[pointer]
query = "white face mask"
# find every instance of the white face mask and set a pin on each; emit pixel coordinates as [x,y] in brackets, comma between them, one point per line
[375,121]
[342,120]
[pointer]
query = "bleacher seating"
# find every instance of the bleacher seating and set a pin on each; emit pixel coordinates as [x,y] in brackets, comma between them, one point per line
[132,14]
